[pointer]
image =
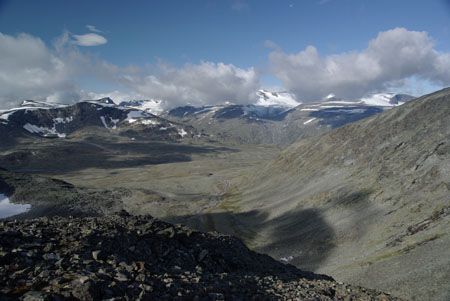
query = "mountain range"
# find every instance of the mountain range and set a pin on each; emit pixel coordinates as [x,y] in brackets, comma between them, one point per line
[355,190]
[60,121]
[278,122]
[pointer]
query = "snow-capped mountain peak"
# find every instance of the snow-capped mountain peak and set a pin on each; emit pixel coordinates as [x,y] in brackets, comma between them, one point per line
[377,99]
[281,99]
[148,105]
[39,104]
[106,100]
[386,99]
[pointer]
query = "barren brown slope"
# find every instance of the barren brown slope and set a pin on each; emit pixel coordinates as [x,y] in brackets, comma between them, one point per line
[368,203]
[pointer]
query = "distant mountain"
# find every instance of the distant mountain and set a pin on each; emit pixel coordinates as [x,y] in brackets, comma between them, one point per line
[400,99]
[283,99]
[386,99]
[278,119]
[60,121]
[254,124]
[150,106]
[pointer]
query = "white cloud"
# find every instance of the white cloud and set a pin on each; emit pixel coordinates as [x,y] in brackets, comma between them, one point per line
[89,39]
[205,83]
[29,70]
[93,28]
[116,96]
[388,61]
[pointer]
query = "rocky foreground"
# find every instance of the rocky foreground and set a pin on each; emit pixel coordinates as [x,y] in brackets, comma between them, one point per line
[139,258]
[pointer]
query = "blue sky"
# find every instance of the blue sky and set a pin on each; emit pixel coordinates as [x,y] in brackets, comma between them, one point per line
[166,49]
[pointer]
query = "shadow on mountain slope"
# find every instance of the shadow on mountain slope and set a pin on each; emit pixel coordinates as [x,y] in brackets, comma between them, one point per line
[302,237]
[336,117]
[55,156]
[303,233]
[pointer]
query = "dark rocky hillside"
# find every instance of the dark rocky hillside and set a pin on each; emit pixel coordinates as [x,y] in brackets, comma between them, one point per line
[63,121]
[142,258]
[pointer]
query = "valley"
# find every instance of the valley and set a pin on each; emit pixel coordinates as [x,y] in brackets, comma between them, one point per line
[356,197]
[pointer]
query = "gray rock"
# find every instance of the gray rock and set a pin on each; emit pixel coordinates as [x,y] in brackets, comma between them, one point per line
[51,256]
[36,296]
[98,255]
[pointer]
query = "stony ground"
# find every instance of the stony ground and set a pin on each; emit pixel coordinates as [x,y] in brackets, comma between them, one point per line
[124,257]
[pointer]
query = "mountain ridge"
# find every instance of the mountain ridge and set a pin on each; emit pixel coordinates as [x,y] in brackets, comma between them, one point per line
[382,182]
[53,120]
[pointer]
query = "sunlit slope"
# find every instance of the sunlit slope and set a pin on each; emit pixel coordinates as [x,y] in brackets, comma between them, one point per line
[367,203]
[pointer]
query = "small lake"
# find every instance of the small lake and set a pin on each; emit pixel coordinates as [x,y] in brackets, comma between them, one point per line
[8,209]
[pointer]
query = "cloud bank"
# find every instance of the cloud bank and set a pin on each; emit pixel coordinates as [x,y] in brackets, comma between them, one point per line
[196,84]
[28,70]
[390,59]
[31,70]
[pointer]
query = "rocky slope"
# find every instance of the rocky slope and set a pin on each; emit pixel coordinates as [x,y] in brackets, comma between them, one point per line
[367,200]
[141,258]
[50,197]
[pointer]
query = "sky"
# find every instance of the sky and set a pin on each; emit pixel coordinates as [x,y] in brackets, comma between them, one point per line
[212,51]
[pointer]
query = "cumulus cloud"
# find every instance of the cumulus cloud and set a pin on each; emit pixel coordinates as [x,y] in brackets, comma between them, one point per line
[30,70]
[388,61]
[196,84]
[116,95]
[89,39]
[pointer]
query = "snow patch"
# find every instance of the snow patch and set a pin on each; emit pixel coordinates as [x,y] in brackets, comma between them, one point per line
[41,104]
[151,106]
[282,99]
[380,99]
[354,111]
[34,129]
[99,105]
[134,116]
[286,259]
[63,120]
[342,102]
[308,121]
[5,116]
[182,132]
[148,122]
[115,122]
[104,122]
[8,209]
